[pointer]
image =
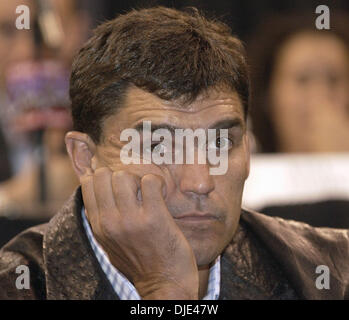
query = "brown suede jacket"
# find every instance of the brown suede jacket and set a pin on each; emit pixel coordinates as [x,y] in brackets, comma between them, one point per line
[268,258]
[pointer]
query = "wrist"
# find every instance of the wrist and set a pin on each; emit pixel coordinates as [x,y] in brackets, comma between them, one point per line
[167,289]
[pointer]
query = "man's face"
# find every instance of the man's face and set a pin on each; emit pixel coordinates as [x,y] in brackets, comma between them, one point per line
[190,189]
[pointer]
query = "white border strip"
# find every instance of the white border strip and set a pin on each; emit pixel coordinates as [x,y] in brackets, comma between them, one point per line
[279,179]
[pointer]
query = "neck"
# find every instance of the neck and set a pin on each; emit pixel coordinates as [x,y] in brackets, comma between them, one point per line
[204,273]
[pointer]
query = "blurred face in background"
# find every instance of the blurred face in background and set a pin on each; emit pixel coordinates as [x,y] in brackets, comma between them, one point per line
[19,45]
[23,57]
[309,94]
[15,45]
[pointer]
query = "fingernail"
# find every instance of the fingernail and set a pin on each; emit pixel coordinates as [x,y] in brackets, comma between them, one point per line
[139,195]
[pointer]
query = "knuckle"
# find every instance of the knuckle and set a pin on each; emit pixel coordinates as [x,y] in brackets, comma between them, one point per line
[150,180]
[123,181]
[101,171]
[120,175]
[86,179]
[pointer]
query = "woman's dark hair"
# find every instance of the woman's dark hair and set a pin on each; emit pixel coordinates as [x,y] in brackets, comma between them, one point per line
[172,54]
[263,50]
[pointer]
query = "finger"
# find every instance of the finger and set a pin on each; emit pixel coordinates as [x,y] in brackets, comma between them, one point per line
[89,199]
[103,190]
[153,188]
[140,171]
[125,189]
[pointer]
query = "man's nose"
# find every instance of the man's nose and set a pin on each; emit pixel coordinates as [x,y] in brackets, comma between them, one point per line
[196,178]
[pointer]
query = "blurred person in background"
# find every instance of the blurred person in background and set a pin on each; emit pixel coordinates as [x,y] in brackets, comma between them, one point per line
[21,47]
[301,85]
[300,120]
[34,103]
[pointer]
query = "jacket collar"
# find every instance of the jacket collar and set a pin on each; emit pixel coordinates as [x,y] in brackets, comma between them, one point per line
[250,272]
[72,270]
[300,249]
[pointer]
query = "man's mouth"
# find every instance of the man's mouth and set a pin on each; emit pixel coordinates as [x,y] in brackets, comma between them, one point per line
[196,217]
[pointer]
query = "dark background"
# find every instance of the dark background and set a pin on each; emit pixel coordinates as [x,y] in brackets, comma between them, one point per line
[242,15]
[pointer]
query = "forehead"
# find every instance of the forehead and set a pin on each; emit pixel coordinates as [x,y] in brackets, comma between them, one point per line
[312,50]
[208,108]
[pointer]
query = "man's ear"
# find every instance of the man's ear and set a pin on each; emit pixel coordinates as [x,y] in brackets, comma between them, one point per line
[81,150]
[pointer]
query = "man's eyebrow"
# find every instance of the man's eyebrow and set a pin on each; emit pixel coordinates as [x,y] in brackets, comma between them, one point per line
[227,124]
[221,124]
[166,126]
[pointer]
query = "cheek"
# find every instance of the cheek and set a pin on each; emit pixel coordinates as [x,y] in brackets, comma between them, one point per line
[229,187]
[238,169]
[285,98]
[288,111]
[341,93]
[108,157]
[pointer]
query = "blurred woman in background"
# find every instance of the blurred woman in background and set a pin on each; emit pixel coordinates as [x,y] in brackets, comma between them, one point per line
[300,120]
[300,80]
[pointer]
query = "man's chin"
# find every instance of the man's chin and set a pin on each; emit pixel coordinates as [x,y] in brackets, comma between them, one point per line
[207,241]
[205,259]
[205,253]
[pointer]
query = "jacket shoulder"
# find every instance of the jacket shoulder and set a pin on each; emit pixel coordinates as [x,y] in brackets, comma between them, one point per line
[301,249]
[26,249]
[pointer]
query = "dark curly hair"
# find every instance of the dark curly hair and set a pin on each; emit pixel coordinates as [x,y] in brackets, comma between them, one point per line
[172,54]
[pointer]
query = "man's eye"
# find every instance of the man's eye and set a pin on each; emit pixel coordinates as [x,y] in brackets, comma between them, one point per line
[221,143]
